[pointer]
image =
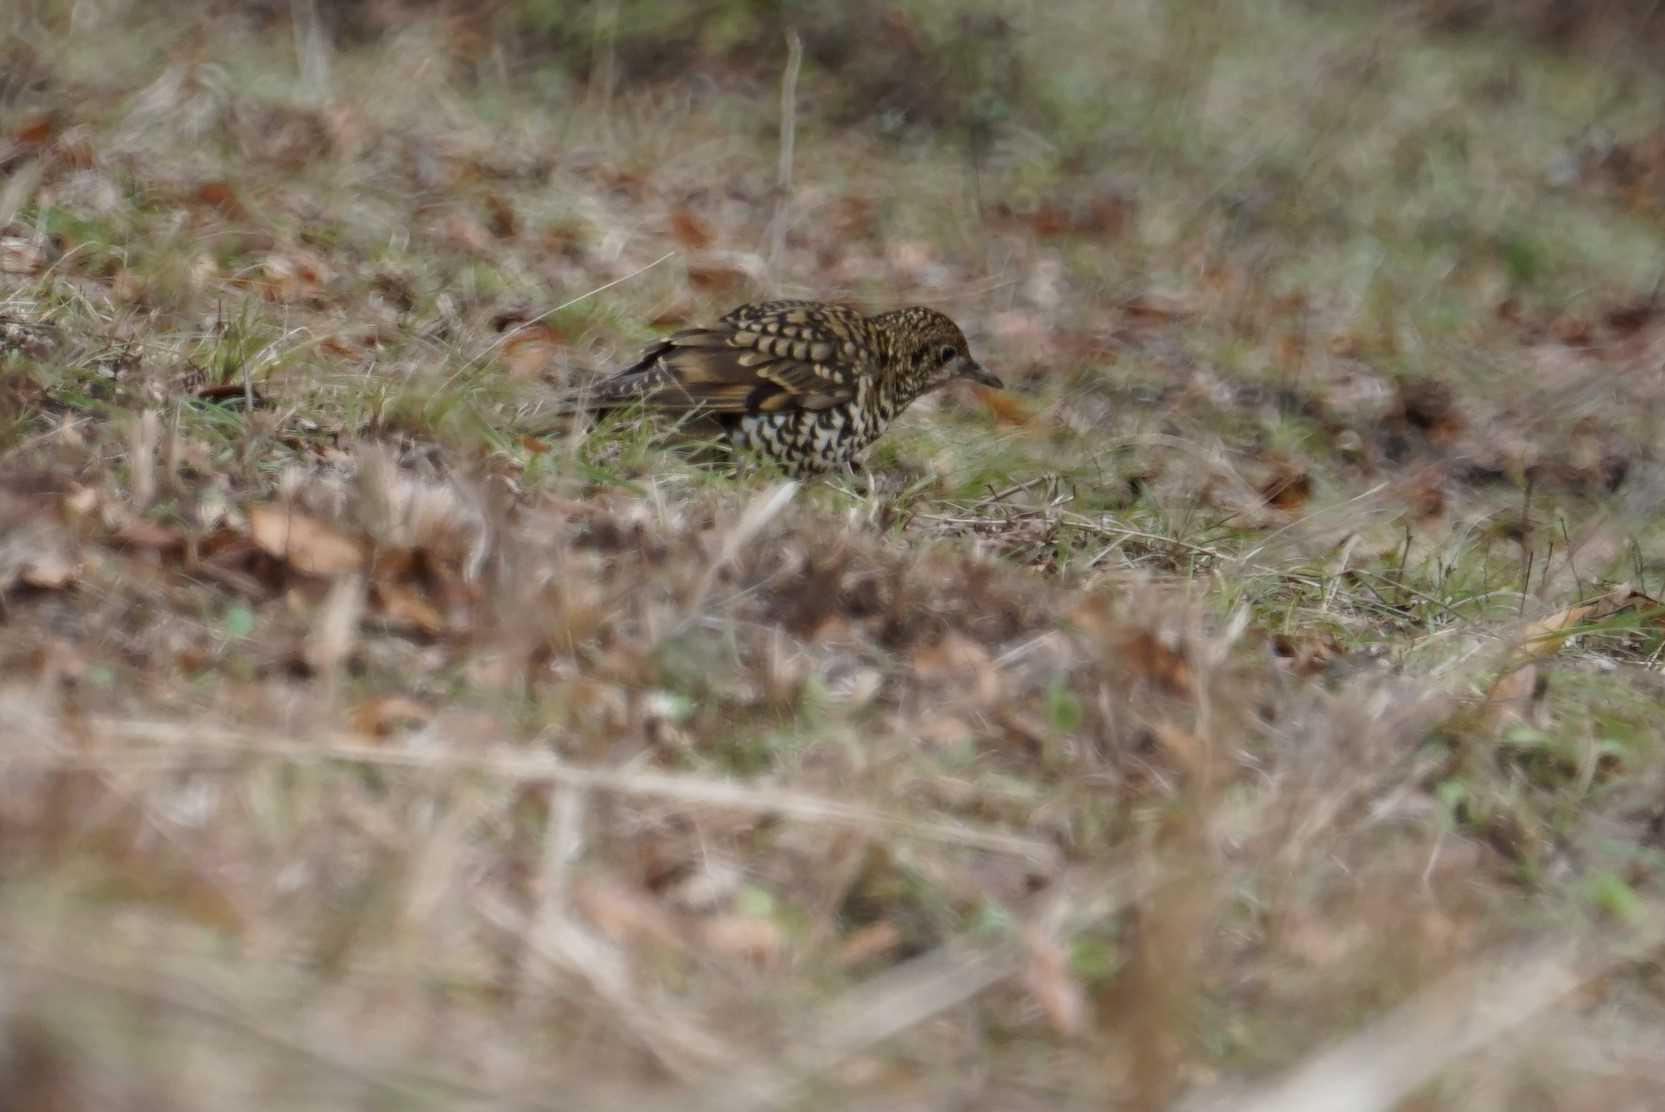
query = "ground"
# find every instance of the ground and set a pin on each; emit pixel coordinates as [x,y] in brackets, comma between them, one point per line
[1254,706]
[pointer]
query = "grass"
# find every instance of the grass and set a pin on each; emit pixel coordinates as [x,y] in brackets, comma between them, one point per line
[1192,728]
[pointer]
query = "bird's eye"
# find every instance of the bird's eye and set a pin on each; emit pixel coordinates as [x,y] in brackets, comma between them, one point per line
[947,353]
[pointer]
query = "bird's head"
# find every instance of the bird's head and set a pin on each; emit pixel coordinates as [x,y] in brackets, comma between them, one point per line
[933,351]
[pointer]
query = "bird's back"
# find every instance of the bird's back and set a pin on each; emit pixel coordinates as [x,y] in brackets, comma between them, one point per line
[764,357]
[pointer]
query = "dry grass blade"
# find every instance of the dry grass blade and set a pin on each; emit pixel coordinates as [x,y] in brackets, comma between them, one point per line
[918,990]
[1397,1054]
[891,1003]
[762,509]
[171,994]
[522,767]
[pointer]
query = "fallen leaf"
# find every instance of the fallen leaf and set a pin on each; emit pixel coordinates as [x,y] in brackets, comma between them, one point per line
[1148,655]
[1545,636]
[1287,490]
[1511,697]
[305,543]
[404,607]
[386,715]
[689,230]
[716,278]
[501,218]
[1159,307]
[1007,409]
[530,349]
[221,196]
[37,128]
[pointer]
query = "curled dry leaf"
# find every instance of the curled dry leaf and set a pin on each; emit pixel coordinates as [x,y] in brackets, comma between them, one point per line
[303,542]
[1287,489]
[530,349]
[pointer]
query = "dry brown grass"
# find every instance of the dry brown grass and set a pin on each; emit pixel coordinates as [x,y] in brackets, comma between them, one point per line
[1246,712]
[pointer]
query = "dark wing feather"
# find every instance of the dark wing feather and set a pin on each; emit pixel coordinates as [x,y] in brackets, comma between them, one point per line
[766,357]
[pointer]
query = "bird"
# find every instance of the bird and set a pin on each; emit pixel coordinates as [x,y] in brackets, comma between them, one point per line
[807,385]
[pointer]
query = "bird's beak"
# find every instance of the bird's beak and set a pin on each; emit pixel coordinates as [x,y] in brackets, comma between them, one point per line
[971,369]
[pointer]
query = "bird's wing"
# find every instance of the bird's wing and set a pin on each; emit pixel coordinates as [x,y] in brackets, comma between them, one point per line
[761,358]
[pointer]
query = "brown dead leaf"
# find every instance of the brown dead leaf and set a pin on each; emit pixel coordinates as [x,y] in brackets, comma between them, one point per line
[293,276]
[1007,409]
[1153,306]
[1287,489]
[1148,655]
[305,543]
[1545,636]
[531,350]
[689,230]
[1511,697]
[501,218]
[387,715]
[37,128]
[403,607]
[716,278]
[1307,652]
[221,196]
